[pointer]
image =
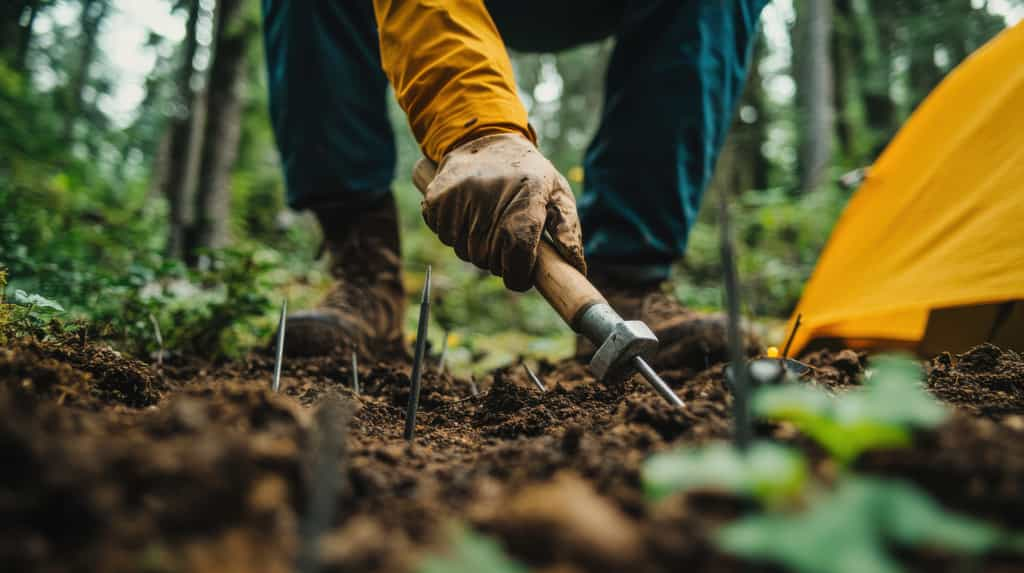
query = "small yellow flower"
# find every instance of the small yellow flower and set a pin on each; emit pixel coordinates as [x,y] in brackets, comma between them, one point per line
[454,339]
[576,174]
[772,352]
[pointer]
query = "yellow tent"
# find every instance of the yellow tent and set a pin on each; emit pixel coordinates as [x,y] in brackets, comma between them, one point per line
[929,254]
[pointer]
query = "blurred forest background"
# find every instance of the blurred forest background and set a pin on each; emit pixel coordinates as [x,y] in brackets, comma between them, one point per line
[140,188]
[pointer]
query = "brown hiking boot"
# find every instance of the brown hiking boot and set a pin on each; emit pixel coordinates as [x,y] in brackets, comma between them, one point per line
[687,339]
[365,307]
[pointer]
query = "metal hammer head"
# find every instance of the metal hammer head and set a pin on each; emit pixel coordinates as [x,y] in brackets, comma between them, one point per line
[617,341]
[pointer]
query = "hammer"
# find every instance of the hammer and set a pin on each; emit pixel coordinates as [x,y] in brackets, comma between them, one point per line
[623,346]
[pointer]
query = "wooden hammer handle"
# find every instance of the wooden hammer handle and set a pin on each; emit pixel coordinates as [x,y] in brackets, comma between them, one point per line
[564,287]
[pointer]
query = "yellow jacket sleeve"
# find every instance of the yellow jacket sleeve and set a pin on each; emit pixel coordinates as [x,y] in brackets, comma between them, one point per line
[450,71]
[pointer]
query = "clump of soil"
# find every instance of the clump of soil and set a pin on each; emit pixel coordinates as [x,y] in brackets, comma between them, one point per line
[986,381]
[76,373]
[109,466]
[836,370]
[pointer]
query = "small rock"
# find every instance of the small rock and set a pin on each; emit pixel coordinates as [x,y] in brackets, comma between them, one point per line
[848,362]
[566,517]
[268,494]
[1014,422]
[364,544]
[391,453]
[571,439]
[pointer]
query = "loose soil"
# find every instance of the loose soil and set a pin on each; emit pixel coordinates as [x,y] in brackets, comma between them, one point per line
[109,464]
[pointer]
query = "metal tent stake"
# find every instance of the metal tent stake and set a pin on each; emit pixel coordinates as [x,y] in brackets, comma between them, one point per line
[276,385]
[740,384]
[417,363]
[792,335]
[533,378]
[355,373]
[444,353]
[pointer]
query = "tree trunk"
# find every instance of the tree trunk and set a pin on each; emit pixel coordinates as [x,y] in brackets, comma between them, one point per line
[876,29]
[814,88]
[843,68]
[235,29]
[25,36]
[93,14]
[179,171]
[755,129]
[10,26]
[741,164]
[923,75]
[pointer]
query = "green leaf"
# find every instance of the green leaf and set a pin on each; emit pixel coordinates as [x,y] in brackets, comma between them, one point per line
[816,544]
[39,302]
[849,529]
[895,394]
[881,414]
[767,471]
[913,518]
[472,553]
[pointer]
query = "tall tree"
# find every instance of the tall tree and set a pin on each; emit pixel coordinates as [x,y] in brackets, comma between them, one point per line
[888,56]
[93,14]
[183,144]
[17,18]
[814,90]
[753,168]
[10,25]
[878,26]
[742,165]
[33,8]
[237,24]
[843,75]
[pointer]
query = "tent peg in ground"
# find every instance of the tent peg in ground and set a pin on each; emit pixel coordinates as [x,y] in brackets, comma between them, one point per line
[328,461]
[417,363]
[740,380]
[533,378]
[279,358]
[355,373]
[792,335]
[444,352]
[159,340]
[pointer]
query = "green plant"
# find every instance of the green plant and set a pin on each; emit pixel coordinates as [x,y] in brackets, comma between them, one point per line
[36,302]
[5,309]
[847,526]
[471,552]
[780,236]
[213,312]
[770,472]
[850,528]
[32,315]
[883,413]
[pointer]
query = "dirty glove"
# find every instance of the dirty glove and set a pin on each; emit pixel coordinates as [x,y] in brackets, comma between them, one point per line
[493,198]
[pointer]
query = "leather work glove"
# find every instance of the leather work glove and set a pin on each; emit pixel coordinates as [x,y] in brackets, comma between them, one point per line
[492,199]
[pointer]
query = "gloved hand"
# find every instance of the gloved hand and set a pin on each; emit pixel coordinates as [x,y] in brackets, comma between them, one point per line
[493,197]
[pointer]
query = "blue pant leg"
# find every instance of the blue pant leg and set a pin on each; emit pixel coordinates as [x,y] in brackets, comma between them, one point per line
[328,101]
[554,25]
[673,83]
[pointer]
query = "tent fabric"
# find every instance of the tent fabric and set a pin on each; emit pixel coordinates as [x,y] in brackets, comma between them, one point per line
[938,223]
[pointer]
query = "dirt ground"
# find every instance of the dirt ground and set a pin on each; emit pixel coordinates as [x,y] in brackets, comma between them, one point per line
[109,464]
